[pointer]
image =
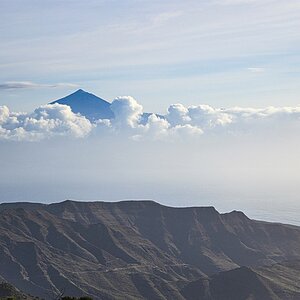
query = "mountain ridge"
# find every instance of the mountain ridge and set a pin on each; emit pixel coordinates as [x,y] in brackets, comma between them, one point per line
[140,249]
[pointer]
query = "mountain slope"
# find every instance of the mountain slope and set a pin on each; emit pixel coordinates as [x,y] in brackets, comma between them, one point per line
[88,105]
[7,291]
[279,281]
[131,249]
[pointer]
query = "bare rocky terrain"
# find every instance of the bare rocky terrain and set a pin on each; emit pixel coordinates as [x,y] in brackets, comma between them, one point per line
[144,250]
[9,292]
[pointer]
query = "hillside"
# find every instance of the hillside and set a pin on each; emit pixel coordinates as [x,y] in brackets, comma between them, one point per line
[279,281]
[136,249]
[7,291]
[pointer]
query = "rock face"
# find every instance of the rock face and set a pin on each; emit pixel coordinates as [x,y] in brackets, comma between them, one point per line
[143,250]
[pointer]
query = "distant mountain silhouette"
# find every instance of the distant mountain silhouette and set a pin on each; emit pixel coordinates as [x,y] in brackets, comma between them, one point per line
[88,105]
[144,250]
[93,107]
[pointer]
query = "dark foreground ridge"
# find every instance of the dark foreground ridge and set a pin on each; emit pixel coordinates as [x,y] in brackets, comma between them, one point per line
[144,250]
[9,292]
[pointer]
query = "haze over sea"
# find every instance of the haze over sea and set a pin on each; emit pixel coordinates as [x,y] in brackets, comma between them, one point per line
[223,73]
[245,172]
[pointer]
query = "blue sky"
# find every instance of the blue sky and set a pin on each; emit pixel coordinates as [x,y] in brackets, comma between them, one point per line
[219,52]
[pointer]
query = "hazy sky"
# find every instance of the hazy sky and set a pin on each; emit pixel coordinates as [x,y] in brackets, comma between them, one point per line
[233,65]
[219,52]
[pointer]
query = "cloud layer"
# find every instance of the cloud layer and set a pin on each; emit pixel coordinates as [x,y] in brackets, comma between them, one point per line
[46,121]
[179,122]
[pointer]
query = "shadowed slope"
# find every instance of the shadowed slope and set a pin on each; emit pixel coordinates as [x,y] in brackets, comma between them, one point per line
[279,281]
[7,291]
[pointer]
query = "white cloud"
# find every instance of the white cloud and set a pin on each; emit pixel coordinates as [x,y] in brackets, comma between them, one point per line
[156,128]
[11,85]
[202,116]
[208,117]
[178,114]
[256,70]
[46,121]
[4,114]
[180,122]
[127,111]
[186,131]
[271,112]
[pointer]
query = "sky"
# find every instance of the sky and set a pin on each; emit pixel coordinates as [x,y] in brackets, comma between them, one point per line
[218,52]
[224,73]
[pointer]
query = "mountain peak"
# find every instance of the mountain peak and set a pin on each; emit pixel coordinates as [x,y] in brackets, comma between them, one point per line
[79,91]
[93,107]
[87,104]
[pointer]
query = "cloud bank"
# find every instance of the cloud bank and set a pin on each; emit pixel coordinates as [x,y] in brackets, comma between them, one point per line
[45,122]
[179,122]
